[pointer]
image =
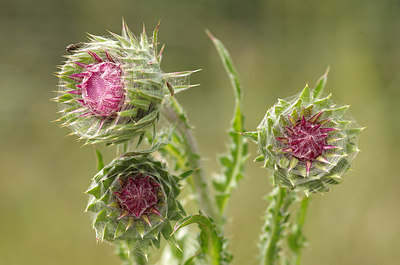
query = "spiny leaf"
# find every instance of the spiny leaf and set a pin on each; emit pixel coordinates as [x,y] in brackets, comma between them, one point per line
[212,245]
[234,161]
[277,217]
[228,64]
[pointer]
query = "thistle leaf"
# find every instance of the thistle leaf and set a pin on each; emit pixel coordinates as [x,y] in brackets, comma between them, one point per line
[211,243]
[234,161]
[276,220]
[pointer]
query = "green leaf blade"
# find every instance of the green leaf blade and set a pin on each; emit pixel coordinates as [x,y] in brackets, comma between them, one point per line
[233,162]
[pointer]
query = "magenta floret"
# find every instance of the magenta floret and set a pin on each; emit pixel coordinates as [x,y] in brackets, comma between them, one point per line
[306,140]
[101,86]
[138,196]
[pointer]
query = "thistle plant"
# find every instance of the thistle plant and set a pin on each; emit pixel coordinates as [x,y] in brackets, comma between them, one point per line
[112,91]
[307,143]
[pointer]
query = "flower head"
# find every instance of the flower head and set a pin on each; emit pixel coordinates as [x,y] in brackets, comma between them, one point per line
[307,141]
[133,200]
[111,88]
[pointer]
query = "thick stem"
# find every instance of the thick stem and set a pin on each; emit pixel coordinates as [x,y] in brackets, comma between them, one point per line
[174,114]
[277,216]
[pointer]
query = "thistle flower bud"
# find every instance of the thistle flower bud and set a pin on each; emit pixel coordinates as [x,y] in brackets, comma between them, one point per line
[307,141]
[133,201]
[111,88]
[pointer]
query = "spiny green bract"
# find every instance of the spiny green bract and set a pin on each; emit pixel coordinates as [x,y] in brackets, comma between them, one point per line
[112,87]
[307,141]
[111,220]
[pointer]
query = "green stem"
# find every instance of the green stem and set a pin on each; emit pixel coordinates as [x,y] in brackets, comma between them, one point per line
[174,113]
[277,216]
[297,238]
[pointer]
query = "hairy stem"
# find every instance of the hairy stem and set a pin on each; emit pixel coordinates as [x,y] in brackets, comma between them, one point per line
[276,220]
[296,239]
[174,114]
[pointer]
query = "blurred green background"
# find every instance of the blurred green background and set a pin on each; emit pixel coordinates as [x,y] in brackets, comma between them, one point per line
[277,46]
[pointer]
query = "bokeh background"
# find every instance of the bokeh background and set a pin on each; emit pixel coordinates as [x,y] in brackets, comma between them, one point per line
[277,45]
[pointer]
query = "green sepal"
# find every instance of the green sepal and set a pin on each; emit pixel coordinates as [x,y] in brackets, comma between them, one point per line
[353,132]
[319,88]
[101,216]
[187,173]
[305,94]
[259,158]
[251,135]
[95,191]
[120,230]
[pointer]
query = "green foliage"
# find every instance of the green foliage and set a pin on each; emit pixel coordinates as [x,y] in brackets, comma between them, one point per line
[234,161]
[178,150]
[148,92]
[182,151]
[212,244]
[276,221]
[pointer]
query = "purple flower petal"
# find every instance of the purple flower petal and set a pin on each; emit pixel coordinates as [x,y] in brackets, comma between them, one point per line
[95,56]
